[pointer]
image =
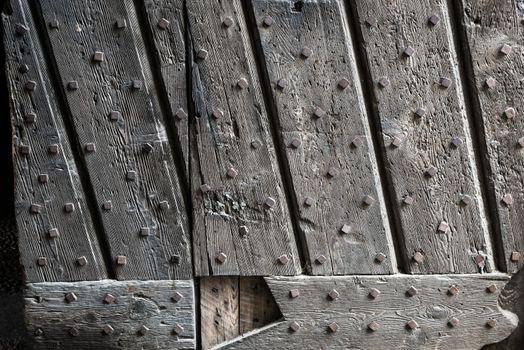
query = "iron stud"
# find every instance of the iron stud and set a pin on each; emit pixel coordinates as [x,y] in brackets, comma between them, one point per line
[71,297]
[332,172]
[357,142]
[30,118]
[69,207]
[202,54]
[515,256]
[54,24]
[53,149]
[24,68]
[453,322]
[217,114]
[306,52]
[178,329]
[412,291]
[479,259]
[163,23]
[109,298]
[505,49]
[419,113]
[433,20]
[108,329]
[466,199]
[380,257]
[72,85]
[74,332]
[282,84]
[412,324]
[321,259]
[346,229]
[343,83]
[98,56]
[333,327]
[283,259]
[221,258]
[81,261]
[294,293]
[175,259]
[507,199]
[114,115]
[177,297]
[242,83]
[136,84]
[445,82]
[121,260]
[396,142]
[456,142]
[333,294]
[294,326]
[25,150]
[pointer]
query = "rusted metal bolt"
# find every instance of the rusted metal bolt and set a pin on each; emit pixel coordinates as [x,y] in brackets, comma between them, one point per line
[30,85]
[136,84]
[35,208]
[121,23]
[515,256]
[319,112]
[114,115]
[456,142]
[479,259]
[282,84]
[72,85]
[217,114]
[331,172]
[383,82]
[357,142]
[147,148]
[54,24]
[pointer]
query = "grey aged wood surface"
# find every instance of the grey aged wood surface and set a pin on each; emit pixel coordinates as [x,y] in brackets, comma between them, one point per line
[243,215]
[432,308]
[330,153]
[44,182]
[91,322]
[429,158]
[497,86]
[121,130]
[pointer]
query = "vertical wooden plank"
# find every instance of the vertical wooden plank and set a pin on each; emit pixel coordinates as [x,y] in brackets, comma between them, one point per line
[219,317]
[241,221]
[426,135]
[103,66]
[54,243]
[494,39]
[324,128]
[170,55]
[257,307]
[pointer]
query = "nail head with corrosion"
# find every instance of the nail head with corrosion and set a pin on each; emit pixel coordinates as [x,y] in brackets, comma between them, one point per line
[121,260]
[306,52]
[178,329]
[217,114]
[412,291]
[270,202]
[333,294]
[510,113]
[505,49]
[492,288]
[374,293]
[357,142]
[268,21]
[242,83]
[453,290]
[41,261]
[81,261]
[227,21]
[333,327]
[453,322]
[507,199]
[412,324]
[343,83]
[445,82]
[492,323]
[294,293]
[71,297]
[98,56]
[163,23]
[380,257]
[294,326]
[177,297]
[109,298]
[283,259]
[221,258]
[418,257]
[409,51]
[321,259]
[107,205]
[433,20]
[309,201]
[54,24]
[491,82]
[373,326]
[108,329]
[331,172]
[515,256]
[131,175]
[346,229]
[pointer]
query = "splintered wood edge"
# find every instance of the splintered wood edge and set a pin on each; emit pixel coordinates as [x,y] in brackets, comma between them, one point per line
[444,309]
[111,314]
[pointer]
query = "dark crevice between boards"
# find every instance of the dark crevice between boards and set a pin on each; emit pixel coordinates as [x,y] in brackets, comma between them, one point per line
[280,149]
[474,115]
[50,65]
[371,104]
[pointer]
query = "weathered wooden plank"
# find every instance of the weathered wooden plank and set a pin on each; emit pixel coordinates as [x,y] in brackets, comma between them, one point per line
[102,63]
[426,135]
[53,242]
[169,42]
[437,315]
[324,128]
[496,79]
[110,314]
[257,307]
[241,221]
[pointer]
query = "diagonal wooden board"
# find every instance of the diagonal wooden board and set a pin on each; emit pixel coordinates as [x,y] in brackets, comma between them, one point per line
[165,308]
[438,299]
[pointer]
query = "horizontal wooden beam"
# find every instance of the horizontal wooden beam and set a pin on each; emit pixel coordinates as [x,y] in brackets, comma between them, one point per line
[111,315]
[416,312]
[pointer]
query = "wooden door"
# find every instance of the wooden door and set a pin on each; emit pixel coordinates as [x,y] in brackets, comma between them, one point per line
[267,173]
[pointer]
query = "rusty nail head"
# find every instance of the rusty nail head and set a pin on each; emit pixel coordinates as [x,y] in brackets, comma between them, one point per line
[107,205]
[114,115]
[98,56]
[418,257]
[332,172]
[309,201]
[431,171]
[456,142]
[108,329]
[283,259]
[371,21]
[510,113]
[333,327]
[70,297]
[204,188]
[163,205]
[145,231]
[175,259]
[255,144]
[53,149]
[72,85]
[383,82]
[408,200]
[420,112]
[492,288]
[39,332]
[163,23]
[178,329]
[232,173]
[69,207]
[368,200]
[294,293]
[433,20]
[453,290]
[81,261]
[121,23]
[507,199]
[412,324]
[30,118]
[282,84]
[491,83]
[90,147]
[396,142]
[137,84]
[321,259]
[121,260]
[357,142]
[30,85]
[306,52]
[227,21]
[373,326]
[346,229]
[41,261]
[243,230]
[520,142]
[478,259]
[221,258]
[466,199]
[333,294]
[109,298]
[180,114]
[492,323]
[202,54]
[453,322]
[294,326]
[53,233]
[24,68]
[74,332]
[217,113]
[319,112]
[343,83]
[131,175]
[445,82]
[443,227]
[54,24]
[270,202]
[409,51]
[177,297]
[25,150]
[380,257]
[35,208]
[374,293]
[505,49]
[242,83]
[268,21]
[412,291]
[143,330]
[295,143]
[515,256]
[43,178]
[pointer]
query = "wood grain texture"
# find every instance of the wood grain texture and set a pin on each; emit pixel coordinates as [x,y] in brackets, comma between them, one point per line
[339,140]
[432,307]
[497,82]
[429,157]
[54,323]
[171,58]
[115,111]
[257,307]
[44,181]
[232,153]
